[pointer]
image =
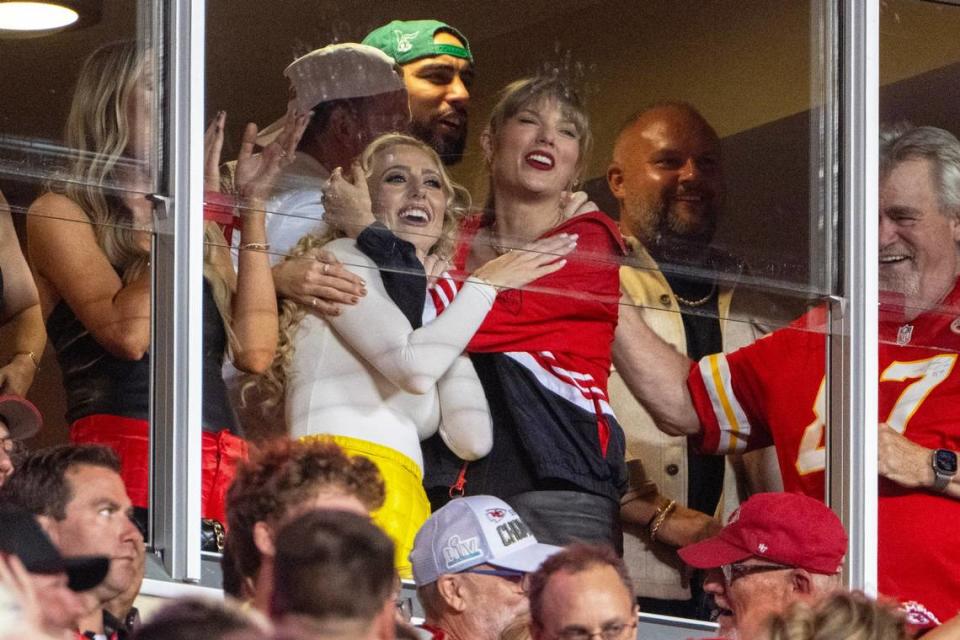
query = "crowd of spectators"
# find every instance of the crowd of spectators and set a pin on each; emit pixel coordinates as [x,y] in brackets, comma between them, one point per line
[442,401]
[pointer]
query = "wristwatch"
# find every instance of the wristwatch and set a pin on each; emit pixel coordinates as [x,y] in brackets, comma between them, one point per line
[944,463]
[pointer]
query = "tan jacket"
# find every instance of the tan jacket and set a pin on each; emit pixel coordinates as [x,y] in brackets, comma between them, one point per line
[655,568]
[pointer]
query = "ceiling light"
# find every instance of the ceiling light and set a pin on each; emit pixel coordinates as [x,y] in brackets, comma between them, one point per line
[35,16]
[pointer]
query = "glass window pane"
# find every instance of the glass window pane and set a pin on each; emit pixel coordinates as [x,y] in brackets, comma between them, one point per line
[727,183]
[918,318]
[79,156]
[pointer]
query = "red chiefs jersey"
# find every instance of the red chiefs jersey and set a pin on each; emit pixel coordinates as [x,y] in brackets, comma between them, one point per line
[772,391]
[561,326]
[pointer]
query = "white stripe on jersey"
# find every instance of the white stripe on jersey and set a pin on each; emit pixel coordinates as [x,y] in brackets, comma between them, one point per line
[731,418]
[441,294]
[574,386]
[572,391]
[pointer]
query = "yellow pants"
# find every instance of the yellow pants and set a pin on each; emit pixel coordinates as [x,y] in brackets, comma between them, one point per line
[406,507]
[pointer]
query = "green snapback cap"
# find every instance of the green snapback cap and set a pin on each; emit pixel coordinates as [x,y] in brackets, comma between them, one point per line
[409,40]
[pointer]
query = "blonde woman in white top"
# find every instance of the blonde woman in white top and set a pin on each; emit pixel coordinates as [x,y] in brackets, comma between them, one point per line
[365,377]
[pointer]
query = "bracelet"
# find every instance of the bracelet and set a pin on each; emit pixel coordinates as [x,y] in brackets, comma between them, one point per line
[255,246]
[661,517]
[32,356]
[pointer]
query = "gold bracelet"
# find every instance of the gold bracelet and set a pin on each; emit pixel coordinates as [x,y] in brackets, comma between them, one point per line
[255,246]
[660,518]
[32,356]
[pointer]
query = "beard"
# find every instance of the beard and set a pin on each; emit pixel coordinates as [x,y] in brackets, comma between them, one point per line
[664,231]
[906,284]
[899,294]
[448,146]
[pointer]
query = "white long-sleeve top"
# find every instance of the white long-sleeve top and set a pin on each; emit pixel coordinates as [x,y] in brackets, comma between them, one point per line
[368,374]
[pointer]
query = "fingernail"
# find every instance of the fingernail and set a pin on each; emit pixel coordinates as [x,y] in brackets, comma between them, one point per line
[364,283]
[574,235]
[363,291]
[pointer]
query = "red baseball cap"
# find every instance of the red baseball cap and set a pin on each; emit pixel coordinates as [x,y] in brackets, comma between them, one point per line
[21,417]
[786,528]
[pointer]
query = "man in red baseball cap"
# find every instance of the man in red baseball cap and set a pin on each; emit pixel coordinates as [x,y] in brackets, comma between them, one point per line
[776,549]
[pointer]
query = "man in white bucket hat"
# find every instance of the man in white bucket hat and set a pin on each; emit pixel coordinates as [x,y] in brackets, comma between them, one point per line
[356,93]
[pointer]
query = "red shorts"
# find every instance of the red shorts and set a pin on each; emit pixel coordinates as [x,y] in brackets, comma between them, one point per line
[129,438]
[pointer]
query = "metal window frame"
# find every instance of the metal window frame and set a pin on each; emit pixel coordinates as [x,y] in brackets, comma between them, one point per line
[177,336]
[853,342]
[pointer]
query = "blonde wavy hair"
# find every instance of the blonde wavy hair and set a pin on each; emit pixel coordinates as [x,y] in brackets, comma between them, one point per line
[848,615]
[97,133]
[271,385]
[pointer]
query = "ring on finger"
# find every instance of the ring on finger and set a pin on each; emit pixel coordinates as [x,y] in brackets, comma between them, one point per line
[326,268]
[315,303]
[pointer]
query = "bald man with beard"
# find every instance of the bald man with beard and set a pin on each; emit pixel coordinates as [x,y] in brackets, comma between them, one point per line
[667,176]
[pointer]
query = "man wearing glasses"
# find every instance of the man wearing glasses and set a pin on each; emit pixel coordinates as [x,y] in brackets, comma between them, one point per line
[471,563]
[583,592]
[777,549]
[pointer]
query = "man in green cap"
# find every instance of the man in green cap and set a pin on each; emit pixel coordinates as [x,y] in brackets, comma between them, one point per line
[438,71]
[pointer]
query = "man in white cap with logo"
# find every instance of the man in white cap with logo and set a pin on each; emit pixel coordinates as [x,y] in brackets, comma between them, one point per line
[19,420]
[471,561]
[356,93]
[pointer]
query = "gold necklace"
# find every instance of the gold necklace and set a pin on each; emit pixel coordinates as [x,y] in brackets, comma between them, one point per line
[696,303]
[499,249]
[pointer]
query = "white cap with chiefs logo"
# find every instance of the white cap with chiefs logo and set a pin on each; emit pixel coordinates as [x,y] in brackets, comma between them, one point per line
[471,531]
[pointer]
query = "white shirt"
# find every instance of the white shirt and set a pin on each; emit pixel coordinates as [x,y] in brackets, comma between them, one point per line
[367,374]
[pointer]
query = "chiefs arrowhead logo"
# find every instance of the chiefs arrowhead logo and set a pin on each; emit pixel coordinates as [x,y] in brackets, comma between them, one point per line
[496,515]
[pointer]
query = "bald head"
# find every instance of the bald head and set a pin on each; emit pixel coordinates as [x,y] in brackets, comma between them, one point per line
[667,176]
[662,114]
